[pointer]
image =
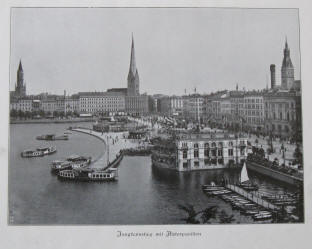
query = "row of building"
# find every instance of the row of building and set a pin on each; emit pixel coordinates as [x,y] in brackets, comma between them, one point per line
[276,110]
[113,100]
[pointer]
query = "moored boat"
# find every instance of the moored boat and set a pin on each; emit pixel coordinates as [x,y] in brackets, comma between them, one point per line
[52,137]
[245,182]
[88,175]
[262,215]
[39,152]
[72,162]
[60,165]
[47,150]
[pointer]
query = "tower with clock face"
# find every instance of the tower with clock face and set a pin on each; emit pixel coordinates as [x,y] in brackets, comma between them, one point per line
[287,71]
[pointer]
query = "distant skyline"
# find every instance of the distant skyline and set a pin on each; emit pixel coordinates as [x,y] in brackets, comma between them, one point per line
[88,49]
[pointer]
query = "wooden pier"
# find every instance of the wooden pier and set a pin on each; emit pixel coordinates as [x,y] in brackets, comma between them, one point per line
[254,197]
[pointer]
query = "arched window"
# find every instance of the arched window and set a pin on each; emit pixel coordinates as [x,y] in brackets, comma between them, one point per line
[230,143]
[213,144]
[220,144]
[196,145]
[206,145]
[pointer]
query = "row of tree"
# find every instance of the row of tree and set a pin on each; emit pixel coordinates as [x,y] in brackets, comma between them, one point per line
[19,114]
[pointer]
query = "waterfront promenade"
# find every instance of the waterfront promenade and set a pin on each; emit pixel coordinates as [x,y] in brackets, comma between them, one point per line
[116,140]
[49,121]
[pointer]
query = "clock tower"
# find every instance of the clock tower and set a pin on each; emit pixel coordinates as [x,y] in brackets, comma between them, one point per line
[287,71]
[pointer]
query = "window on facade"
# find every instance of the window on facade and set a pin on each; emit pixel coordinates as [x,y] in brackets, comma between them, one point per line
[184,153]
[213,153]
[196,145]
[184,165]
[196,153]
[230,152]
[196,164]
[220,153]
[206,152]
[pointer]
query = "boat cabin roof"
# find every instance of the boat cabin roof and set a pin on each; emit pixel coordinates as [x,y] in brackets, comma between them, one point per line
[43,148]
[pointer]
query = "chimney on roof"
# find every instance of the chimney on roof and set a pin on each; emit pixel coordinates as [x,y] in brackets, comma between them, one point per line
[273,81]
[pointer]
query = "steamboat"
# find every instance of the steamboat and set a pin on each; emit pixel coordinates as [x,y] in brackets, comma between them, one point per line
[71,162]
[39,152]
[88,175]
[52,137]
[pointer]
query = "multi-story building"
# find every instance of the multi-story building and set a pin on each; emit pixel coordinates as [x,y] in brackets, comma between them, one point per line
[48,105]
[72,104]
[24,104]
[210,151]
[137,104]
[282,112]
[254,110]
[172,105]
[99,102]
[193,107]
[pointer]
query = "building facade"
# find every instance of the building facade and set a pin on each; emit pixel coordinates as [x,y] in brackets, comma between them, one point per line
[254,110]
[210,152]
[100,102]
[193,107]
[137,105]
[282,113]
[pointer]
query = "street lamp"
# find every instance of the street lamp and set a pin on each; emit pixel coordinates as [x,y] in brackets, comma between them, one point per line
[283,150]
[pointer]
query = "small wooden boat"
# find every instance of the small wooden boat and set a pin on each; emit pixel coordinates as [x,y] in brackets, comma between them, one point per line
[262,215]
[208,189]
[250,211]
[245,182]
[220,192]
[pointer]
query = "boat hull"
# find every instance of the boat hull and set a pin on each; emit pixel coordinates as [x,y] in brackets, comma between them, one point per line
[85,179]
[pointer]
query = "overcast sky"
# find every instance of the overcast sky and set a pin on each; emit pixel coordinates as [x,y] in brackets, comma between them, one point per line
[88,49]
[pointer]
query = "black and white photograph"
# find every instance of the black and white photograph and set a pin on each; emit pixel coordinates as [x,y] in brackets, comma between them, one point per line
[155,116]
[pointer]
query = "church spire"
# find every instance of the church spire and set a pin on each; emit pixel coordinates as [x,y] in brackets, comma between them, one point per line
[133,76]
[20,68]
[133,68]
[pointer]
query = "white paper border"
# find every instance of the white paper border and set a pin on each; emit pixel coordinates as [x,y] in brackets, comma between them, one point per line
[273,236]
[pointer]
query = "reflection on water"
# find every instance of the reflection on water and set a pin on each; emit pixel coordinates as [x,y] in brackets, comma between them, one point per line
[142,195]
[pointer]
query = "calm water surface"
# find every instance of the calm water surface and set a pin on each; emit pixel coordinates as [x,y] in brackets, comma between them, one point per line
[142,195]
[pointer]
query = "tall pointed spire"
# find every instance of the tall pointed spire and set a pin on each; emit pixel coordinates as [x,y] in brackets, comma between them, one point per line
[133,76]
[132,59]
[20,68]
[286,44]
